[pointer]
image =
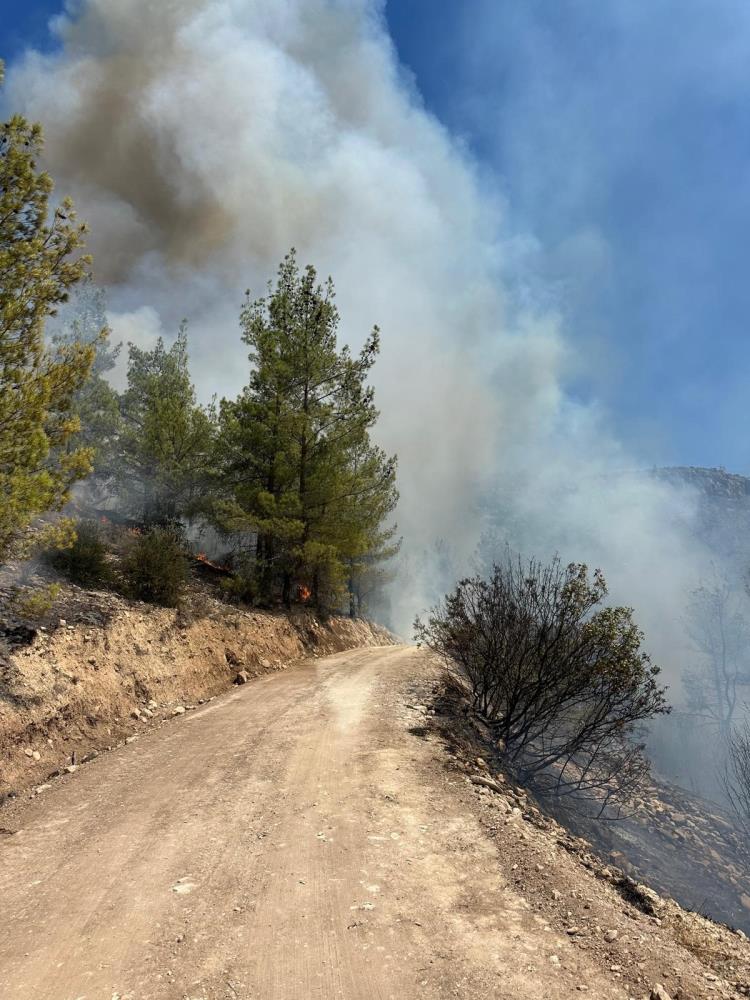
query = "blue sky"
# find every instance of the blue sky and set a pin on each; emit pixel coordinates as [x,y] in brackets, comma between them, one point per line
[619,137]
[24,24]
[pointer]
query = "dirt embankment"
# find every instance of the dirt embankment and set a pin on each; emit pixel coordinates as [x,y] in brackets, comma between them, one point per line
[107,669]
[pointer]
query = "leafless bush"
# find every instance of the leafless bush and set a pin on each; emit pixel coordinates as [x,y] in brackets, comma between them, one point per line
[563,681]
[736,775]
[718,625]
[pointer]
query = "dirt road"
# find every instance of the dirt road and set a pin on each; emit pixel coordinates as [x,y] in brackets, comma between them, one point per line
[294,840]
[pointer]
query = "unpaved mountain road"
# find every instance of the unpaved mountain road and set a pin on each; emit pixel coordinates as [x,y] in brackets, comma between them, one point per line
[293,840]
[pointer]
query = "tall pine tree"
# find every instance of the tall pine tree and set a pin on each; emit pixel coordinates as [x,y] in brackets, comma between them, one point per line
[96,404]
[40,262]
[166,437]
[296,456]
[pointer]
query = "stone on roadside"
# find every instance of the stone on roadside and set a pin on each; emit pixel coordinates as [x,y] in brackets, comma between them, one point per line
[484,782]
[179,710]
[659,993]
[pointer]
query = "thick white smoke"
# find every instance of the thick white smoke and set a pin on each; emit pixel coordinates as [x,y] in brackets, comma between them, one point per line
[203,138]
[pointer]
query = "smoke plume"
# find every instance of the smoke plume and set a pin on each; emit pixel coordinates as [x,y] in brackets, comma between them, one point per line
[203,138]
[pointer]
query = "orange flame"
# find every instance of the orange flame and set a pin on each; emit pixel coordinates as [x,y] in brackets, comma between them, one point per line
[202,557]
[305,593]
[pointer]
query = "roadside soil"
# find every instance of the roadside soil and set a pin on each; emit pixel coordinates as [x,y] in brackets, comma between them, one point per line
[307,836]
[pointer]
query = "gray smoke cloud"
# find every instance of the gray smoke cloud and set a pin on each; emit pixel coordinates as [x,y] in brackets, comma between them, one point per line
[203,138]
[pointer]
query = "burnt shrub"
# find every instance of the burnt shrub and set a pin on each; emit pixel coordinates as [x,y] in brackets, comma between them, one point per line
[155,567]
[561,679]
[735,775]
[85,561]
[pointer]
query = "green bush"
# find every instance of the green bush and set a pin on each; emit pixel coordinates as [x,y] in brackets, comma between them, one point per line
[242,586]
[239,589]
[85,561]
[35,605]
[155,568]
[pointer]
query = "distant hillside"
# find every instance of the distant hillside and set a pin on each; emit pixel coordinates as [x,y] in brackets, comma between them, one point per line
[723,509]
[717,484]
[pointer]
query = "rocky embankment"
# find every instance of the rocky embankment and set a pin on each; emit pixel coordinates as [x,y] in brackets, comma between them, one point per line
[104,669]
[686,847]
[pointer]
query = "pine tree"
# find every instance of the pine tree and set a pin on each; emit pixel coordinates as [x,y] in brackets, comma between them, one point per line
[166,439]
[39,264]
[256,473]
[295,447]
[97,404]
[369,542]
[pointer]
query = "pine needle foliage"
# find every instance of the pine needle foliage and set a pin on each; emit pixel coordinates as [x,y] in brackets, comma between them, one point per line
[40,261]
[298,468]
[166,437]
[96,404]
